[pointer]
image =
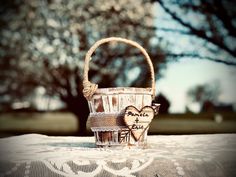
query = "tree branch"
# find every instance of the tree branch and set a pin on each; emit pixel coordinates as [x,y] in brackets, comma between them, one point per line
[173,30]
[223,15]
[183,55]
[197,32]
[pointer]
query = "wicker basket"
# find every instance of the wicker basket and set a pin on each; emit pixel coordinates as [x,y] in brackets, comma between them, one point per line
[107,104]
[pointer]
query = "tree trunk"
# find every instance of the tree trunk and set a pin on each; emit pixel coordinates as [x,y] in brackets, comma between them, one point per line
[78,105]
[82,120]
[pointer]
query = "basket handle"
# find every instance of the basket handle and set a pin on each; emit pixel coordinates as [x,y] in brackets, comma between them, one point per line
[90,88]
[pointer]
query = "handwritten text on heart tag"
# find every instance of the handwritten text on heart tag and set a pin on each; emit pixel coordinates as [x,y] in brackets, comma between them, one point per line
[138,121]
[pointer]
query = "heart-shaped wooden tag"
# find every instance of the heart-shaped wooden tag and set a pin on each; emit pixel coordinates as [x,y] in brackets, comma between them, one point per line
[138,121]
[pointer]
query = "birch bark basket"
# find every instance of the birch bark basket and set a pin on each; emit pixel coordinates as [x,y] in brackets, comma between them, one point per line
[107,104]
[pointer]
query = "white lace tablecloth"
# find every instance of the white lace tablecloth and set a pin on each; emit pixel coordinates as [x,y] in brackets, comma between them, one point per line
[166,156]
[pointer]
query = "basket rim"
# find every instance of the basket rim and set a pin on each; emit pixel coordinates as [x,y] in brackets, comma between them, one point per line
[123,90]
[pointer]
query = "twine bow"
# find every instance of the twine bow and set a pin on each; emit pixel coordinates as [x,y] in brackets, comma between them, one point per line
[89,89]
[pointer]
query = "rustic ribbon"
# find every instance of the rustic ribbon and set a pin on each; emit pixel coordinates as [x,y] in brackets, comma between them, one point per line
[106,120]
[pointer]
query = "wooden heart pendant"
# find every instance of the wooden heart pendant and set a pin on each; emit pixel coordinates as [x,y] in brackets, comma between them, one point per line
[138,121]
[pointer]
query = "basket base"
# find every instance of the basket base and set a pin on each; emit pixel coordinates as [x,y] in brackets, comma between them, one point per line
[121,137]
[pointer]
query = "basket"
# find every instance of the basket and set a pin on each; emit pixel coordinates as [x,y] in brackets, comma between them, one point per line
[107,105]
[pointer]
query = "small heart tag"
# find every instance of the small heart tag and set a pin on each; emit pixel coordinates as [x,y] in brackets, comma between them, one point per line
[138,121]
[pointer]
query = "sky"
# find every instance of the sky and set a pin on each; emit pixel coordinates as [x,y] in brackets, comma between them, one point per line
[184,74]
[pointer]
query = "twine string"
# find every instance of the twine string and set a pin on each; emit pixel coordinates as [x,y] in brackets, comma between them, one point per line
[90,88]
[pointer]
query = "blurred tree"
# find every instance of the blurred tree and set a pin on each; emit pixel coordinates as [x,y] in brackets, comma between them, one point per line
[43,44]
[206,95]
[209,26]
[165,103]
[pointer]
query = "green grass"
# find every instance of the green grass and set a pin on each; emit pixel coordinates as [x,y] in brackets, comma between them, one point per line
[46,123]
[201,116]
[191,126]
[66,124]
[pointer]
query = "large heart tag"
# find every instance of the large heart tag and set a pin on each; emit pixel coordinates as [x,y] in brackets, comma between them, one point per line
[138,121]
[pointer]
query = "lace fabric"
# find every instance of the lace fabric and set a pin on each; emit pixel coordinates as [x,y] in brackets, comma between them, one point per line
[166,156]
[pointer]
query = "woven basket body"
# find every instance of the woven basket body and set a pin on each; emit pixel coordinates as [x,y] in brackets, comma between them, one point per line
[106,112]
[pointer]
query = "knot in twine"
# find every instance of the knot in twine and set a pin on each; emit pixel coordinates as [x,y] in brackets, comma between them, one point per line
[89,89]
